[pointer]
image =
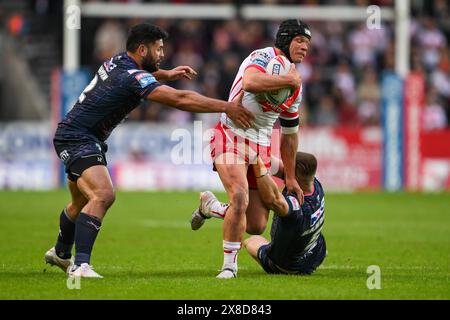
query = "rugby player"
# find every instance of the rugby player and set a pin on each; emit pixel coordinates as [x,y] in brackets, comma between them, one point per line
[116,89]
[297,244]
[229,145]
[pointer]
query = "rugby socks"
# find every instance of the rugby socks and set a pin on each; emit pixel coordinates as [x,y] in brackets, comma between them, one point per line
[219,209]
[66,236]
[230,254]
[87,228]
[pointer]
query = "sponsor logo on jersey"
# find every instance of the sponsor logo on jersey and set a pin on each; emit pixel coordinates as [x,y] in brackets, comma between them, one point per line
[261,55]
[276,69]
[318,214]
[294,202]
[102,73]
[109,65]
[145,79]
[64,156]
[260,63]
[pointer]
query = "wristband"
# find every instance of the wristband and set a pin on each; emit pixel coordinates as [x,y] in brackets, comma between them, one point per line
[267,172]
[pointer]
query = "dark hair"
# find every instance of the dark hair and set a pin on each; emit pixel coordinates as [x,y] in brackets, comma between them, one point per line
[305,166]
[287,31]
[144,33]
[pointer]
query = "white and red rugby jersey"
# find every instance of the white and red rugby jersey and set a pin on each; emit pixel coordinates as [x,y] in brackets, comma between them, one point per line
[265,113]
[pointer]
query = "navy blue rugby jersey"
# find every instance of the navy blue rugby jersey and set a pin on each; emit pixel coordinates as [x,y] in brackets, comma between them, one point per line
[293,235]
[116,89]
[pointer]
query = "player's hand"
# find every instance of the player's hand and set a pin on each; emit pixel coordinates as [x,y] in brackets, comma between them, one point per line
[181,72]
[238,114]
[295,77]
[292,186]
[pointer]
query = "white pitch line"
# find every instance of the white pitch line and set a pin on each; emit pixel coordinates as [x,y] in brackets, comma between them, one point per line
[348,267]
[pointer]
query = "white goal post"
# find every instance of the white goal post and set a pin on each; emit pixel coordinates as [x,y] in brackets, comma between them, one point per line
[401,16]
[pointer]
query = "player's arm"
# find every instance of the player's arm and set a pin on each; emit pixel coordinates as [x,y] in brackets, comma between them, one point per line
[255,80]
[175,73]
[289,122]
[192,101]
[268,189]
[288,151]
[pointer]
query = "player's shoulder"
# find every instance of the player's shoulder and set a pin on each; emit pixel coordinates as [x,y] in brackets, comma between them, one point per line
[266,53]
[125,65]
[295,207]
[141,77]
[318,186]
[130,72]
[261,57]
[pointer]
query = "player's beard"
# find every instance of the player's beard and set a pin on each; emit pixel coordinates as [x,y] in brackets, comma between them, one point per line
[150,64]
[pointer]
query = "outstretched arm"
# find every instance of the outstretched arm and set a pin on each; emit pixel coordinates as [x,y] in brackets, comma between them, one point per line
[268,189]
[192,101]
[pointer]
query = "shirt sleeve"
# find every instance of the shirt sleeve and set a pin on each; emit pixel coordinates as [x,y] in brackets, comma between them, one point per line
[295,209]
[259,60]
[290,118]
[142,83]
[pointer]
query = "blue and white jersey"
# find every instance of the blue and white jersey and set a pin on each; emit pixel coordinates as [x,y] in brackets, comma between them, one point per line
[295,234]
[116,89]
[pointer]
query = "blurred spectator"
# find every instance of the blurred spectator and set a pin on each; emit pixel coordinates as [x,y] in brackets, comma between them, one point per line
[363,47]
[341,74]
[347,110]
[368,98]
[344,80]
[431,40]
[326,114]
[16,24]
[434,114]
[110,39]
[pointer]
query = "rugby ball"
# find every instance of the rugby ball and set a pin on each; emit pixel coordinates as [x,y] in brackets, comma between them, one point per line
[279,65]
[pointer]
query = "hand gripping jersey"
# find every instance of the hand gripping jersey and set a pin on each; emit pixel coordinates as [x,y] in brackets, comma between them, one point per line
[266,114]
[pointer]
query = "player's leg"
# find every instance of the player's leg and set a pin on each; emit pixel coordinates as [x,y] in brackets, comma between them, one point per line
[74,207]
[61,254]
[210,207]
[96,186]
[233,177]
[259,247]
[253,244]
[257,213]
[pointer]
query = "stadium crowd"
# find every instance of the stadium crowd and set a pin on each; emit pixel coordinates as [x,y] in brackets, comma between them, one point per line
[341,75]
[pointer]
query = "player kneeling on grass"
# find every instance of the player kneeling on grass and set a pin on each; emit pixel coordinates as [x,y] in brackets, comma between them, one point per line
[297,246]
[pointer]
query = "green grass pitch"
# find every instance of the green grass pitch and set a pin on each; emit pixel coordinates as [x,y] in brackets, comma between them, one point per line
[146,250]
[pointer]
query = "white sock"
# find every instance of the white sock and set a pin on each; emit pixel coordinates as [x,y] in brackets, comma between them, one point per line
[219,209]
[230,254]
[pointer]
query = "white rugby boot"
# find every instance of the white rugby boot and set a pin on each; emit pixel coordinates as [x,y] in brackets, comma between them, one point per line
[83,271]
[203,212]
[227,273]
[52,258]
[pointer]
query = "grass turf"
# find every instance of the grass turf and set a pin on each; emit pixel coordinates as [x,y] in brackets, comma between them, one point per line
[146,250]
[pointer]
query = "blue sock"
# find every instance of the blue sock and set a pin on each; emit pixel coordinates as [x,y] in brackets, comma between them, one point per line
[66,236]
[87,228]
